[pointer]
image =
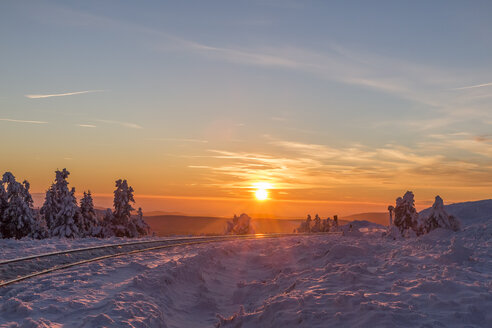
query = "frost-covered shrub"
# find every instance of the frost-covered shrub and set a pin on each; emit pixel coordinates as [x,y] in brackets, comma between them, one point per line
[17,216]
[241,225]
[438,218]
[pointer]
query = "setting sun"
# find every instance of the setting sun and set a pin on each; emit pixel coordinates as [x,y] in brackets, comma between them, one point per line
[261,194]
[261,190]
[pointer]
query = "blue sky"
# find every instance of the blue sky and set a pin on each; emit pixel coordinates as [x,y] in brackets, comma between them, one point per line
[325,100]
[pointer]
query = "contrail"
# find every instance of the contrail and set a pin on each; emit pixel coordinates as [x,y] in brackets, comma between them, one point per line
[475,86]
[62,94]
[22,121]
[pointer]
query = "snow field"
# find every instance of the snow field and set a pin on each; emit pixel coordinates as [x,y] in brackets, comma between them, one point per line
[442,279]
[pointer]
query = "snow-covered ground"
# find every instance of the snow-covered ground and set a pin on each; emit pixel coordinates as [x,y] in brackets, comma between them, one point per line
[443,279]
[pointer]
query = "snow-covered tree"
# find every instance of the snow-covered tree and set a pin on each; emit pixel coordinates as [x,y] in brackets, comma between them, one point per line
[240,225]
[304,226]
[60,209]
[123,197]
[18,217]
[143,229]
[406,217]
[107,224]
[438,218]
[89,222]
[120,222]
[325,225]
[317,224]
[3,205]
[391,209]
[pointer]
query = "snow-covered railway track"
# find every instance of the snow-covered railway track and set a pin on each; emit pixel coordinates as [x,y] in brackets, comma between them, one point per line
[22,268]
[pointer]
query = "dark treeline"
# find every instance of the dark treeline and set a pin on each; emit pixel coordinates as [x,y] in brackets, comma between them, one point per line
[61,216]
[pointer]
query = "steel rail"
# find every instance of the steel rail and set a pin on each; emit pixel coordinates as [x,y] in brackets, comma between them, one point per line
[169,245]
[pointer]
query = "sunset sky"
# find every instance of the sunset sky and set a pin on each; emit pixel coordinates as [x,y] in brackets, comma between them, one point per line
[335,106]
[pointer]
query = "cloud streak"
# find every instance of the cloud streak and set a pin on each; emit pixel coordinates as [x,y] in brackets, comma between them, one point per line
[124,124]
[40,96]
[22,121]
[475,86]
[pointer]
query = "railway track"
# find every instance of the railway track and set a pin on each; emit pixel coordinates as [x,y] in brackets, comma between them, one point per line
[22,268]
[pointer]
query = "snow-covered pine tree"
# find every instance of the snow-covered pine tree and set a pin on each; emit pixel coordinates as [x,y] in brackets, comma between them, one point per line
[141,226]
[3,205]
[317,224]
[18,218]
[123,196]
[90,224]
[107,224]
[324,225]
[406,217]
[439,218]
[49,208]
[60,209]
[304,226]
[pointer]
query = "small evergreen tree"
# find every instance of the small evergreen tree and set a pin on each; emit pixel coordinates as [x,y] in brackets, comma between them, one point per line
[3,206]
[90,224]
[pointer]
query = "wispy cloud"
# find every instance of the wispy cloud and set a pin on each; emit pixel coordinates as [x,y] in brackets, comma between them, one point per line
[178,139]
[22,121]
[312,169]
[416,82]
[39,96]
[124,124]
[87,125]
[474,86]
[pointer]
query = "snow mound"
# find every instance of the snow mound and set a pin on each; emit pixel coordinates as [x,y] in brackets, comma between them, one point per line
[469,212]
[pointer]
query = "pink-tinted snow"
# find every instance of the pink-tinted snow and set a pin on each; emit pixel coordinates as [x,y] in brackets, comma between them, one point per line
[443,279]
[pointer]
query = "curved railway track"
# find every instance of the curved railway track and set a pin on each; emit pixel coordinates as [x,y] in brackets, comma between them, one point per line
[22,268]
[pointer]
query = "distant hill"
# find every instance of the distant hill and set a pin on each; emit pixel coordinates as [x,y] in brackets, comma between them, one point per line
[165,225]
[376,217]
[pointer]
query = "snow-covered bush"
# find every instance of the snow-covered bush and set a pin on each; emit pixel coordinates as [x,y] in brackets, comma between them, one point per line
[438,218]
[60,209]
[406,217]
[241,225]
[17,216]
